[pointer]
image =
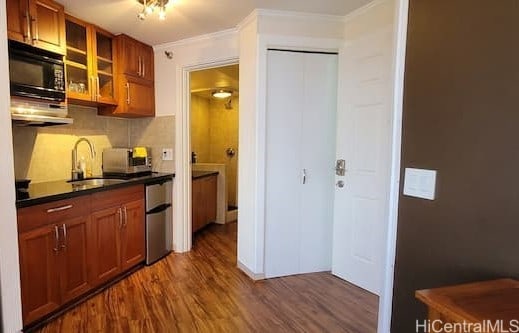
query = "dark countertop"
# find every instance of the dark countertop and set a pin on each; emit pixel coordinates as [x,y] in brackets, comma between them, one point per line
[202,174]
[39,193]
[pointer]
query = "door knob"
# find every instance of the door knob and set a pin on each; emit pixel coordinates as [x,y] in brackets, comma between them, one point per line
[340,184]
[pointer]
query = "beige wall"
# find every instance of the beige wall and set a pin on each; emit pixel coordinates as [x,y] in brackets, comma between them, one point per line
[200,128]
[213,130]
[44,153]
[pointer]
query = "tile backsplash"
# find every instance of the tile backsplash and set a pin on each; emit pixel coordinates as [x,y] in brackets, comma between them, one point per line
[156,133]
[44,153]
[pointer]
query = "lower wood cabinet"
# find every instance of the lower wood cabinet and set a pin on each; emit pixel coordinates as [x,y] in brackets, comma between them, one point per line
[69,247]
[133,237]
[118,231]
[74,258]
[54,255]
[39,272]
[106,230]
[203,201]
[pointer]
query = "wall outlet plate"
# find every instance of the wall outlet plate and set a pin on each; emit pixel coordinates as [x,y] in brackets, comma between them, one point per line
[420,183]
[167,154]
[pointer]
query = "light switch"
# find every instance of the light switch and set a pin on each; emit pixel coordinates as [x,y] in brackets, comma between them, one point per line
[420,183]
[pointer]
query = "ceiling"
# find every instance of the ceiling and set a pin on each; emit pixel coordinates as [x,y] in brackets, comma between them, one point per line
[204,82]
[189,18]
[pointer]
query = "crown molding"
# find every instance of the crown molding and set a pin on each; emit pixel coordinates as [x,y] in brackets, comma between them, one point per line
[200,38]
[299,15]
[253,16]
[259,12]
[361,10]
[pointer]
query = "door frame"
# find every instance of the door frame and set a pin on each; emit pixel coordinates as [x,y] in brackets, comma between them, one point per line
[400,39]
[183,135]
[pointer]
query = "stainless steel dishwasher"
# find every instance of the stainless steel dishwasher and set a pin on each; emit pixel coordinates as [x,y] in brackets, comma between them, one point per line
[159,220]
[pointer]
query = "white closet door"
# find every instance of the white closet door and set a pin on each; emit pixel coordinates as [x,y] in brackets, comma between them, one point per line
[300,152]
[318,155]
[283,162]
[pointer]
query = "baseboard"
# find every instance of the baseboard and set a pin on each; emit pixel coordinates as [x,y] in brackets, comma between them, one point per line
[231,215]
[249,273]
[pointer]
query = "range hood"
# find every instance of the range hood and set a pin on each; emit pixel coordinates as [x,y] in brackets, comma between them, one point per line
[30,113]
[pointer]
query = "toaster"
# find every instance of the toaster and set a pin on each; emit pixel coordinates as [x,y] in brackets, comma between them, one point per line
[127,161]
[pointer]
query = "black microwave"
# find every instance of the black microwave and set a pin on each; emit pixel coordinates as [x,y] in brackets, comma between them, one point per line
[36,73]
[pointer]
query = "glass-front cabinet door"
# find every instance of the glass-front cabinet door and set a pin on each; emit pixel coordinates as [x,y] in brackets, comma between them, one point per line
[89,63]
[104,68]
[78,58]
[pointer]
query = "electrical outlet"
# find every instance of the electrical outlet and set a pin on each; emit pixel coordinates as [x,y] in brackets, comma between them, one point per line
[167,154]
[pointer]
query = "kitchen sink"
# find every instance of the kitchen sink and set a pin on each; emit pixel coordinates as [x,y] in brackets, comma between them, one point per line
[96,182]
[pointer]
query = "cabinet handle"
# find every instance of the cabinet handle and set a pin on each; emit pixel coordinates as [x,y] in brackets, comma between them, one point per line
[64,245]
[143,68]
[56,237]
[34,29]
[59,209]
[140,66]
[120,213]
[127,93]
[304,176]
[125,216]
[27,32]
[97,88]
[92,87]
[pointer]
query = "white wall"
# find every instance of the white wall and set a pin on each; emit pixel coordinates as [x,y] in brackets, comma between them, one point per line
[9,268]
[172,98]
[247,166]
[258,32]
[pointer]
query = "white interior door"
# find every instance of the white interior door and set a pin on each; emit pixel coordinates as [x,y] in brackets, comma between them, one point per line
[300,152]
[364,142]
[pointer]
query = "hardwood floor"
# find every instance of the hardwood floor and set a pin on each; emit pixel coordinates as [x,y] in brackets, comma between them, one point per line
[203,291]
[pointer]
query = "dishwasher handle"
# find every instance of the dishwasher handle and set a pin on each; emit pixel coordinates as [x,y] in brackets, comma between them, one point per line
[158,209]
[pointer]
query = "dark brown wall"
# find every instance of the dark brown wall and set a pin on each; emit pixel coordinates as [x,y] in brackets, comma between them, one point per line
[461,117]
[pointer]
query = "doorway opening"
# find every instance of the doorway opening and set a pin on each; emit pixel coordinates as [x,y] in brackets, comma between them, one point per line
[213,131]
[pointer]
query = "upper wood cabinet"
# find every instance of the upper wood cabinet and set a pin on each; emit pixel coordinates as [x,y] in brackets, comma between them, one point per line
[40,23]
[135,88]
[137,59]
[89,63]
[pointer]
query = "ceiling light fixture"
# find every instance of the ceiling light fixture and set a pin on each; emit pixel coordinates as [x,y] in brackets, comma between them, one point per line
[221,93]
[148,6]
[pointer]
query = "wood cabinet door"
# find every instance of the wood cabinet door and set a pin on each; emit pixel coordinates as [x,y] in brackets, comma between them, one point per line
[39,253]
[209,193]
[74,258]
[203,202]
[18,20]
[129,56]
[48,25]
[106,240]
[140,97]
[133,234]
[147,70]
[196,205]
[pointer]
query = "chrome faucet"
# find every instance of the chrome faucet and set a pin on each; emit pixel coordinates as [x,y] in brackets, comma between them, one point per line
[76,172]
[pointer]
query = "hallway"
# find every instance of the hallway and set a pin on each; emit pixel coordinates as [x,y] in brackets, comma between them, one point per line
[203,291]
